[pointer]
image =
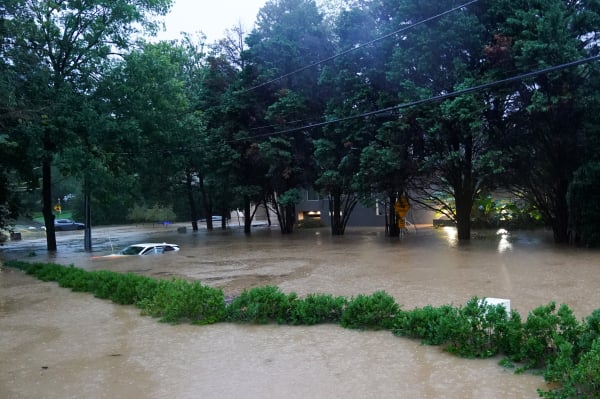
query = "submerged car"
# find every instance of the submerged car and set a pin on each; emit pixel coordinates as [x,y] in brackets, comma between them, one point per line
[67,224]
[149,248]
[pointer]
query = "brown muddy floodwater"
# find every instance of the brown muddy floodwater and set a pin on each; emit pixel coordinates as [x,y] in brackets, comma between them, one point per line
[58,344]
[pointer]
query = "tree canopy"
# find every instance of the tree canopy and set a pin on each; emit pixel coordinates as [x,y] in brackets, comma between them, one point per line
[353,99]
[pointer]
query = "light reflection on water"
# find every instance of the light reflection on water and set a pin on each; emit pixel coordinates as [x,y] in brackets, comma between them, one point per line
[503,243]
[452,235]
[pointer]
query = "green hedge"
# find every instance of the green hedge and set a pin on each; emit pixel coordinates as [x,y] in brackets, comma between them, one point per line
[565,350]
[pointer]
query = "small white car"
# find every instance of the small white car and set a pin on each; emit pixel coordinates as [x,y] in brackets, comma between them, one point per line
[149,248]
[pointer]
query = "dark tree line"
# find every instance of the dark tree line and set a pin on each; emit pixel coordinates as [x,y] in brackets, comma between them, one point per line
[315,96]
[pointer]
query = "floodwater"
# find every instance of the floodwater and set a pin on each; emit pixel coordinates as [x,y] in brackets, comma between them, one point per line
[58,344]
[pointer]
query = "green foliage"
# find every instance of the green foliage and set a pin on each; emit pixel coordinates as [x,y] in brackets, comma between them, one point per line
[316,308]
[575,380]
[590,331]
[137,214]
[76,279]
[426,324]
[43,271]
[583,196]
[155,214]
[124,289]
[261,305]
[290,197]
[178,300]
[543,330]
[490,212]
[376,311]
[476,329]
[310,223]
[510,336]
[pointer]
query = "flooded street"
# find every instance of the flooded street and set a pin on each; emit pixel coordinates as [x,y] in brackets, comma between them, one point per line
[58,344]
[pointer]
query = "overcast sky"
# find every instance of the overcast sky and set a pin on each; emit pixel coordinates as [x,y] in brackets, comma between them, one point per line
[212,17]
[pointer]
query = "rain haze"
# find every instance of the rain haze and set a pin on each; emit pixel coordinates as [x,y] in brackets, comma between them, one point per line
[209,17]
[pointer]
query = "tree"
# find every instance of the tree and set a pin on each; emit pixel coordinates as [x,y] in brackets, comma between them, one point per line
[457,159]
[289,35]
[61,45]
[552,108]
[583,194]
[356,84]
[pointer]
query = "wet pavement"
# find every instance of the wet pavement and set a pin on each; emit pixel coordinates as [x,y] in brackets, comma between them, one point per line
[58,344]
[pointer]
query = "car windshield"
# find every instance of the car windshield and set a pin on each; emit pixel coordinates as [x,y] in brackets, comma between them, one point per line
[131,250]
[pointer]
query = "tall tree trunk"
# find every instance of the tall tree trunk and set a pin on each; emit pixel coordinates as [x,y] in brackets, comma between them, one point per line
[206,203]
[335,200]
[464,204]
[464,193]
[87,210]
[247,215]
[267,213]
[289,212]
[340,208]
[394,230]
[560,220]
[47,202]
[190,194]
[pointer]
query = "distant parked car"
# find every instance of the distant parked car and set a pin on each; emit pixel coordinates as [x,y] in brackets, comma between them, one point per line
[149,248]
[67,224]
[214,219]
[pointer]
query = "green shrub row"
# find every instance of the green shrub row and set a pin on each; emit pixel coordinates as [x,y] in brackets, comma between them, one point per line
[551,340]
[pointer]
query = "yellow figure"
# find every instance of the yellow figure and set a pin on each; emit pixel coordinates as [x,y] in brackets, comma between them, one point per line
[401,222]
[401,206]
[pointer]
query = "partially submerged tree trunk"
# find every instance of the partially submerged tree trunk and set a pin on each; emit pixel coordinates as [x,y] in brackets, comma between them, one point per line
[47,201]
[393,229]
[206,203]
[464,203]
[340,207]
[247,215]
[288,219]
[191,200]
[87,234]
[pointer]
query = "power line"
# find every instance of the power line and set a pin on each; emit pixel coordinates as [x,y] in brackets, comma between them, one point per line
[440,97]
[314,64]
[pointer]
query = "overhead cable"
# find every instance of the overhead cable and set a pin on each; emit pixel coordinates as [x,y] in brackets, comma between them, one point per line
[440,97]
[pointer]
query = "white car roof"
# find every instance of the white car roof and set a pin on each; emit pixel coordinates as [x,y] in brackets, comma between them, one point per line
[152,244]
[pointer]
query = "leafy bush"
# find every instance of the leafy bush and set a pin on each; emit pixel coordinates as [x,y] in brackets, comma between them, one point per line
[574,379]
[317,308]
[124,289]
[261,305]
[426,324]
[543,329]
[178,300]
[510,336]
[377,311]
[45,271]
[590,332]
[472,330]
[490,212]
[102,283]
[74,278]
[157,213]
